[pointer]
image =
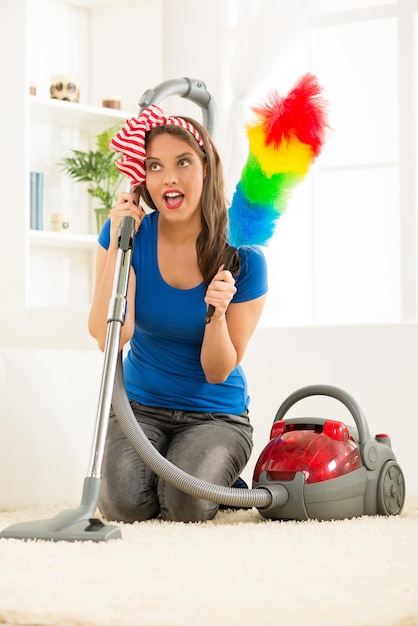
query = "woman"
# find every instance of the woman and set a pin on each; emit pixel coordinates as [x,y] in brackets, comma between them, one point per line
[182,375]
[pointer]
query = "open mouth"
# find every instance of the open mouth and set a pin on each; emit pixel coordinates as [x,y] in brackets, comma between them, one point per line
[173,199]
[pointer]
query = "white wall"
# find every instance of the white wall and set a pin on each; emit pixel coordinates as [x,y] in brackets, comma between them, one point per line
[12,163]
[126,54]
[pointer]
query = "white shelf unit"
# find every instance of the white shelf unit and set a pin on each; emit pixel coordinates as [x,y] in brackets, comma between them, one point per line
[47,277]
[61,264]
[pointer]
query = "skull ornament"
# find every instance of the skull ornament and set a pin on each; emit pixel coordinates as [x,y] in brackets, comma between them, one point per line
[64,88]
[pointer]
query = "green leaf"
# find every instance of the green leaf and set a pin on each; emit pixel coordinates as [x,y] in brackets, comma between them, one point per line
[103,140]
[96,167]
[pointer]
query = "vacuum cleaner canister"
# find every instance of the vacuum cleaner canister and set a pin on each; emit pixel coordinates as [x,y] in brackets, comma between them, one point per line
[330,470]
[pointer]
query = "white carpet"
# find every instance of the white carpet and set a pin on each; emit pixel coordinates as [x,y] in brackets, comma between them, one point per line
[238,569]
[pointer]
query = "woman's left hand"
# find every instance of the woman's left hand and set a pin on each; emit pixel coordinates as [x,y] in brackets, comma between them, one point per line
[220,292]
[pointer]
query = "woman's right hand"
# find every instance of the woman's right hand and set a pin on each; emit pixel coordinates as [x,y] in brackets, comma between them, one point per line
[126,206]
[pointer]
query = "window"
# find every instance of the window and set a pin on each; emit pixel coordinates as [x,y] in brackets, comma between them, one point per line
[345,252]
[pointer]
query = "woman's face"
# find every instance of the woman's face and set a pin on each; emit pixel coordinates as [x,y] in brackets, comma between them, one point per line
[174,177]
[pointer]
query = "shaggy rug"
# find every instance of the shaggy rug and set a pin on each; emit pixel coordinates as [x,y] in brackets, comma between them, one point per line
[238,569]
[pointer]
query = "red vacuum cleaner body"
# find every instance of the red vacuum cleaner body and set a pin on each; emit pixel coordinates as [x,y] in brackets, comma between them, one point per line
[330,470]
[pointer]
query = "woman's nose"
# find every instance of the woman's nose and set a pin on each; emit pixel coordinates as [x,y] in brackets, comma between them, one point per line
[170,178]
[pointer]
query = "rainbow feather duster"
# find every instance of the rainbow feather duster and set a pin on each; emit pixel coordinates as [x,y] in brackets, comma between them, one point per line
[284,140]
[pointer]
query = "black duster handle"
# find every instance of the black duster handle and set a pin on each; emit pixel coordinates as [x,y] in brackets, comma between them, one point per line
[229,257]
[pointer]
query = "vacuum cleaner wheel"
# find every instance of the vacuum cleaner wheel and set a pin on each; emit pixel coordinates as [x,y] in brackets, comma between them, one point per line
[390,489]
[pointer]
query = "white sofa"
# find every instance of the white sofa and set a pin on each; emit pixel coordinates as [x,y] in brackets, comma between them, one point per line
[48,401]
[48,405]
[376,364]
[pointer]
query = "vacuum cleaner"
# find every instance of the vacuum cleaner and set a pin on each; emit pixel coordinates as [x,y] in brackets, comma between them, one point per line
[311,468]
[330,470]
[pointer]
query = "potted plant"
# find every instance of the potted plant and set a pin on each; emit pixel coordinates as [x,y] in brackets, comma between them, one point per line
[97,167]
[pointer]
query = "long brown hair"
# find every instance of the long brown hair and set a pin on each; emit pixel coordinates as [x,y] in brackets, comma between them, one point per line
[212,242]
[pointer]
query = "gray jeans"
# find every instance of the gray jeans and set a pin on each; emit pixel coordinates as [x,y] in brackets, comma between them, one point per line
[211,446]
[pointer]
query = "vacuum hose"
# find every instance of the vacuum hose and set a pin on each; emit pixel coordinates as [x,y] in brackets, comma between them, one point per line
[190,88]
[260,498]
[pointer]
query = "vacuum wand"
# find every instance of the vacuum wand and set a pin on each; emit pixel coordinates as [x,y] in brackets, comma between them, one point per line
[228,261]
[115,321]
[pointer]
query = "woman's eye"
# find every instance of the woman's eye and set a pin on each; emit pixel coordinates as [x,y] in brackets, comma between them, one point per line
[153,167]
[184,162]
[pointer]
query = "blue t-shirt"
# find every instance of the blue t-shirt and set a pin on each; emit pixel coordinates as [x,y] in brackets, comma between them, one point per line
[162,367]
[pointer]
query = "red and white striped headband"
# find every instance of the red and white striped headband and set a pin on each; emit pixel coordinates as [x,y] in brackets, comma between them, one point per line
[130,141]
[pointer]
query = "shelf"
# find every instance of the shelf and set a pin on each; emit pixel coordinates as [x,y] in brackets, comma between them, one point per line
[50,239]
[74,115]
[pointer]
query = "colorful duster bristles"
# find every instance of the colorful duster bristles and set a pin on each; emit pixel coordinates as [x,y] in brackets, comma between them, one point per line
[285,138]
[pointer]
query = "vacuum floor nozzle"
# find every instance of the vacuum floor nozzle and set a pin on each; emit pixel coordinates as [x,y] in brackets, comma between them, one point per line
[79,524]
[84,529]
